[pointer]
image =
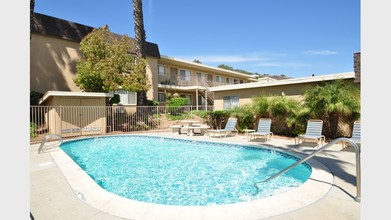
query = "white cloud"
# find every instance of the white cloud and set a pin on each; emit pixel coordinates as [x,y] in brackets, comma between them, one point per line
[248,60]
[280,64]
[320,52]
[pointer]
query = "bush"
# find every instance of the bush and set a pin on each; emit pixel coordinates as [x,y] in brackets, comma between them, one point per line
[34,97]
[177,102]
[201,113]
[114,100]
[152,103]
[245,116]
[217,119]
[33,128]
[182,116]
[174,104]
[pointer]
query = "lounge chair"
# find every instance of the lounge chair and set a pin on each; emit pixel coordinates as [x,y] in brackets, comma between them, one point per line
[263,129]
[356,134]
[313,132]
[229,129]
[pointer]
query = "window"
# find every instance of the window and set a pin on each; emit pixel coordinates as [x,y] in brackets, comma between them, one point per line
[219,79]
[161,97]
[210,78]
[161,70]
[201,79]
[126,97]
[230,80]
[185,75]
[201,76]
[230,102]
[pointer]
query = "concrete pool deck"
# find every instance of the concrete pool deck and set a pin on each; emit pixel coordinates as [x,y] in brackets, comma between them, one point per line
[58,192]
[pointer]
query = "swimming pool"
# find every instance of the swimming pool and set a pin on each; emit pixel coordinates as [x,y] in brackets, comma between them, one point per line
[183,172]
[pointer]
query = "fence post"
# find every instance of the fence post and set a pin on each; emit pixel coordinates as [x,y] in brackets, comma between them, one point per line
[60,120]
[157,116]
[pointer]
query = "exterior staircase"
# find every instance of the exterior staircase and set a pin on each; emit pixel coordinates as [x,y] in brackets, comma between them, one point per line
[210,98]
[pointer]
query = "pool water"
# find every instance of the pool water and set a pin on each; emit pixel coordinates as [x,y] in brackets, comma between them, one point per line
[184,172]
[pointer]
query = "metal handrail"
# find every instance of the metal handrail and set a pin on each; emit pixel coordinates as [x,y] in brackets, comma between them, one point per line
[358,166]
[46,138]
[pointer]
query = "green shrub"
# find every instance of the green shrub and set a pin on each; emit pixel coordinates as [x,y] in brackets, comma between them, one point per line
[201,113]
[114,100]
[217,119]
[177,102]
[34,97]
[245,117]
[152,103]
[174,104]
[33,128]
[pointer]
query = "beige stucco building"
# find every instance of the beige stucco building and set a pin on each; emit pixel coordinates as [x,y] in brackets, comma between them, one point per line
[54,53]
[237,95]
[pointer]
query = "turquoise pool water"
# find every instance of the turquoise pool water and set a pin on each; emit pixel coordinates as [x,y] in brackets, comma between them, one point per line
[183,172]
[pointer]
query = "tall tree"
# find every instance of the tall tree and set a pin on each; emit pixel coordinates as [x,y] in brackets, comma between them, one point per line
[197,61]
[108,64]
[141,44]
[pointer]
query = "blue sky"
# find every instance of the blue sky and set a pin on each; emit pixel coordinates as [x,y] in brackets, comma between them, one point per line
[294,38]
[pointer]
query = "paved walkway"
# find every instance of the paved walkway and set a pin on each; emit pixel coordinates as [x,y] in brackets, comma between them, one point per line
[51,196]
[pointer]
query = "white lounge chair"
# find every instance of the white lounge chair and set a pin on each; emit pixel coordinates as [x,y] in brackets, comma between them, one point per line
[313,132]
[229,129]
[263,130]
[356,134]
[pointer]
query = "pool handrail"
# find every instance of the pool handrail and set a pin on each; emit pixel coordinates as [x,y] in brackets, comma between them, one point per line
[46,138]
[358,166]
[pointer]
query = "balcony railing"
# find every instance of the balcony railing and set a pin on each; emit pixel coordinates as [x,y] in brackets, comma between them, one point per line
[167,80]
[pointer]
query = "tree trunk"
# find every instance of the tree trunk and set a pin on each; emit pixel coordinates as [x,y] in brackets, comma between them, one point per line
[140,44]
[333,121]
[32,5]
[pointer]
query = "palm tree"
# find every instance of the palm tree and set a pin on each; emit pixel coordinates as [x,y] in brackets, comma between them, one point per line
[141,45]
[284,111]
[32,5]
[260,107]
[334,102]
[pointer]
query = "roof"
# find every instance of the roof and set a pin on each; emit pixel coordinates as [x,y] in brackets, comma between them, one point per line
[348,75]
[49,94]
[206,68]
[67,30]
[266,79]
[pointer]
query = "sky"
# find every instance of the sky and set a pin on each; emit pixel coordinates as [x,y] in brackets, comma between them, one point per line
[276,37]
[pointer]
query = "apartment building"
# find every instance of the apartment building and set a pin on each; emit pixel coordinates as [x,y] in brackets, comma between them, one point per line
[54,53]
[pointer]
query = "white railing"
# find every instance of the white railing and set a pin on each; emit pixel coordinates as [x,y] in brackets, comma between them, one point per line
[74,121]
[194,81]
[331,143]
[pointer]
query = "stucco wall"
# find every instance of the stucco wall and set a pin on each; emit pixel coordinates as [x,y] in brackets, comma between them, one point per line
[53,64]
[246,95]
[153,77]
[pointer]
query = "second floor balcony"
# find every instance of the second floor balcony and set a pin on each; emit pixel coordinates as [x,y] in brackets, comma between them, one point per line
[193,81]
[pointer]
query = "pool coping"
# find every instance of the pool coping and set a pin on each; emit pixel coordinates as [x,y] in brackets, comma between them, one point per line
[88,191]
